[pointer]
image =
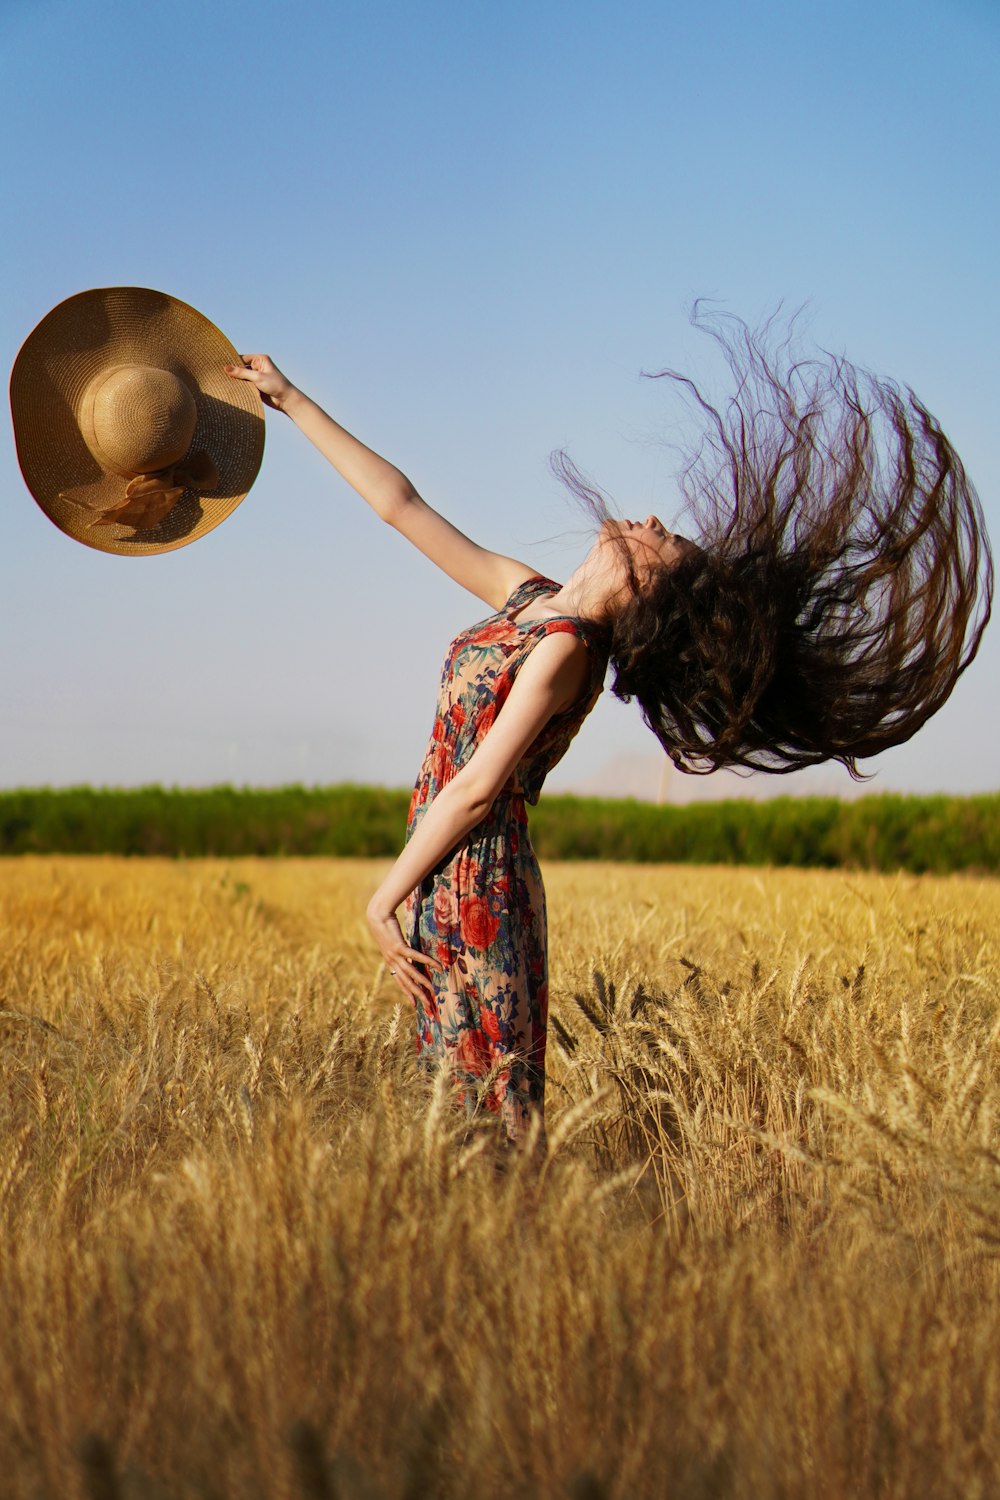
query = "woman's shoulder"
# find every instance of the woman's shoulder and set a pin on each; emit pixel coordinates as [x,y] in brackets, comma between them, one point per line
[590,637]
[568,647]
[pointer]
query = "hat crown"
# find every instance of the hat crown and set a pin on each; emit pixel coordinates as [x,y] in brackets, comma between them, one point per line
[138,419]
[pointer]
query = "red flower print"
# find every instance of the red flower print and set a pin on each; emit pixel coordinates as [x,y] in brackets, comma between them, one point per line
[491,1023]
[472,1054]
[439,764]
[479,925]
[490,633]
[445,910]
[457,715]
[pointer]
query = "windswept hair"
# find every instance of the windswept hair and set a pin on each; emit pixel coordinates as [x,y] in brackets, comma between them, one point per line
[844,578]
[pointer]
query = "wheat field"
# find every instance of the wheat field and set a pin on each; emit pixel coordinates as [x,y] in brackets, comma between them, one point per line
[247,1250]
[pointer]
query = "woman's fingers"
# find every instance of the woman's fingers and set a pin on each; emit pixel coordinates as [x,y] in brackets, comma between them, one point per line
[408,966]
[416,957]
[412,979]
[412,989]
[252,368]
[262,372]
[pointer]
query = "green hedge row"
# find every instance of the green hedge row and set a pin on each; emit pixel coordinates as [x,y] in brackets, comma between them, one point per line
[223,820]
[875,832]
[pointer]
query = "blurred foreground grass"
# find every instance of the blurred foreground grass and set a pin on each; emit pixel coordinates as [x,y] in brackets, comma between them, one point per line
[246,1251]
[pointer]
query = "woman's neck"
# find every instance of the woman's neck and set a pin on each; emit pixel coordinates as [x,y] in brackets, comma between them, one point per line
[585,595]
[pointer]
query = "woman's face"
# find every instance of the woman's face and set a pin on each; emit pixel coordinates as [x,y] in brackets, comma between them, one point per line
[647,545]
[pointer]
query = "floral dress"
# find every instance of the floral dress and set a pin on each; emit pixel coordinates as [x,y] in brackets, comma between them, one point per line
[481,911]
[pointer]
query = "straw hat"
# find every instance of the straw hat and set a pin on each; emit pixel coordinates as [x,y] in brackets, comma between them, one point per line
[129,434]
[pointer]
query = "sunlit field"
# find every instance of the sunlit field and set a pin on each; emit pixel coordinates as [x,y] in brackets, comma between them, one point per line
[247,1250]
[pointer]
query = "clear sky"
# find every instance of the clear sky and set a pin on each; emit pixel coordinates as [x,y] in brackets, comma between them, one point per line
[465,228]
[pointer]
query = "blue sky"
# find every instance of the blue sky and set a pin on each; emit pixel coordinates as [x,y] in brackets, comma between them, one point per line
[465,228]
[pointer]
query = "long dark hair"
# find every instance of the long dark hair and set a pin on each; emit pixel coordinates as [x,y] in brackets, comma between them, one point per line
[844,578]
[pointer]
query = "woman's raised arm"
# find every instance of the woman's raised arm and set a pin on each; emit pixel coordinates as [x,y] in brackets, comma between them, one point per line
[489,575]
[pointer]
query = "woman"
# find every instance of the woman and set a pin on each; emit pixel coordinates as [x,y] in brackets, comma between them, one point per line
[841,582]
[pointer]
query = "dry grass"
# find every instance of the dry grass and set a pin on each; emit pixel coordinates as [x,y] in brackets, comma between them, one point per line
[245,1250]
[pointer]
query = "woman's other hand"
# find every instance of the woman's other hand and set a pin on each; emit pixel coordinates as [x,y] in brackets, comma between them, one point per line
[261,371]
[404,963]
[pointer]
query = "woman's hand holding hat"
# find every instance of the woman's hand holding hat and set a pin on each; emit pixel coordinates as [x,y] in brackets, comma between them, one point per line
[260,371]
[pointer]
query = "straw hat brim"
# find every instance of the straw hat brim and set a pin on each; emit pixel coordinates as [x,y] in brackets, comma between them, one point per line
[98,330]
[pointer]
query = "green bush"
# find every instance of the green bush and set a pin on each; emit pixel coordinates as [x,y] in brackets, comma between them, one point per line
[875,832]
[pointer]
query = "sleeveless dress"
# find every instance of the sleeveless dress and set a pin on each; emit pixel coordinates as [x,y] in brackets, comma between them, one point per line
[481,911]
